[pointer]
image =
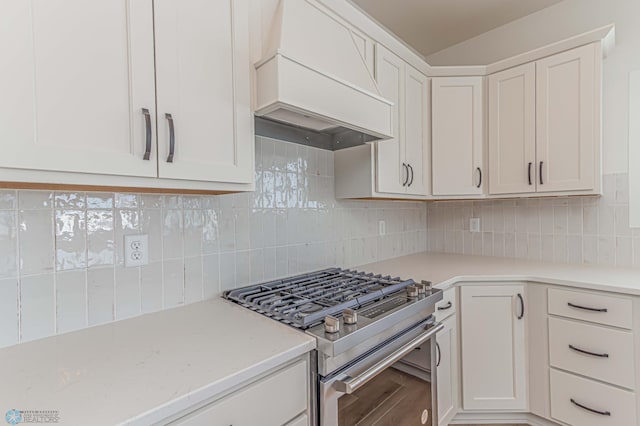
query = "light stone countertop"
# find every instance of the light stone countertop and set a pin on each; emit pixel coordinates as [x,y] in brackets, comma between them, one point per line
[445,270]
[145,369]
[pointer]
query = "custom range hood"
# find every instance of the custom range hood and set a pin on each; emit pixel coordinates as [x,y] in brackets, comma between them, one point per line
[313,85]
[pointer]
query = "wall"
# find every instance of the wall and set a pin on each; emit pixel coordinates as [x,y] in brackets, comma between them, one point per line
[558,22]
[61,254]
[590,230]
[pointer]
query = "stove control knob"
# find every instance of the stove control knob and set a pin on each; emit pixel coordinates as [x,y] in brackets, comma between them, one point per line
[422,288]
[331,324]
[349,316]
[412,291]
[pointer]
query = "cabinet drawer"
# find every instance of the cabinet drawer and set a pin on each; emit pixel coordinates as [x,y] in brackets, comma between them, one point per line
[568,338]
[272,401]
[598,308]
[617,406]
[447,306]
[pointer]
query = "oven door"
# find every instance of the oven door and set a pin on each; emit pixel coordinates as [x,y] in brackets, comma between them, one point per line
[377,388]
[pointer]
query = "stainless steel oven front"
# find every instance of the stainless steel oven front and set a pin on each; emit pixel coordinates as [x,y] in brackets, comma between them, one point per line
[380,388]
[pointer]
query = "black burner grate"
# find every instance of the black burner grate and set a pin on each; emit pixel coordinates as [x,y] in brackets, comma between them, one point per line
[305,300]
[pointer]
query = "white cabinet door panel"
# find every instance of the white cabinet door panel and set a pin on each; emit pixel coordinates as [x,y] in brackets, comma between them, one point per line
[494,369]
[202,62]
[416,134]
[512,130]
[447,373]
[73,89]
[390,72]
[457,135]
[568,117]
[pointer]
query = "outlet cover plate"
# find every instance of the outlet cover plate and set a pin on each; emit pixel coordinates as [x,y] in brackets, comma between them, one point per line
[136,250]
[474,224]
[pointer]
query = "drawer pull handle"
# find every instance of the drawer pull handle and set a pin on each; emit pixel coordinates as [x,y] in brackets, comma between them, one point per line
[439,355]
[445,307]
[521,306]
[406,171]
[172,138]
[591,410]
[582,351]
[584,308]
[147,126]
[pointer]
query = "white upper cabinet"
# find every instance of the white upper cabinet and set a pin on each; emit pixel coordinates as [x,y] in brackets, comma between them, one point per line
[79,95]
[416,132]
[568,120]
[512,130]
[392,172]
[457,135]
[544,125]
[75,76]
[403,161]
[202,72]
[493,348]
[397,167]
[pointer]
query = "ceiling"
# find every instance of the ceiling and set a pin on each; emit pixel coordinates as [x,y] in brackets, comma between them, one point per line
[429,26]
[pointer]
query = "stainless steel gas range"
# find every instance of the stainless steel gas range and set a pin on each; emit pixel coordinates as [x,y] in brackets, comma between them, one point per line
[364,324]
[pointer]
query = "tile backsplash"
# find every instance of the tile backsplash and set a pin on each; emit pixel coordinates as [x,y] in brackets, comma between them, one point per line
[591,230]
[61,254]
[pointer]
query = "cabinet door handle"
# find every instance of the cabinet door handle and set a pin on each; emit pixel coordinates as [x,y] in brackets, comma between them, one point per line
[582,351]
[521,306]
[406,173]
[530,165]
[591,410]
[584,308]
[438,355]
[541,181]
[172,138]
[411,169]
[479,170]
[147,143]
[445,307]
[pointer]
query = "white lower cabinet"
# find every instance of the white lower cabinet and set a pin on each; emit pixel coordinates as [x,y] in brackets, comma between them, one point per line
[493,337]
[582,402]
[278,399]
[447,371]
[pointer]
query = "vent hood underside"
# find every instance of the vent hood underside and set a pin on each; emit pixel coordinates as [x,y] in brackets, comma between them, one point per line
[315,78]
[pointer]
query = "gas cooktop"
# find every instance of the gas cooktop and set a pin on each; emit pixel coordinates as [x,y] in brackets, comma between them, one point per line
[305,300]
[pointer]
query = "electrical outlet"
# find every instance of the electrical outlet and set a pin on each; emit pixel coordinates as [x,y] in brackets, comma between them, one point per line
[382,227]
[136,250]
[474,224]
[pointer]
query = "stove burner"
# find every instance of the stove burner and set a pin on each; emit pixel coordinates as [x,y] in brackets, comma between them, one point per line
[305,300]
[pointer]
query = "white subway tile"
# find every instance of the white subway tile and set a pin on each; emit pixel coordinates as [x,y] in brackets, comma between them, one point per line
[9,326]
[37,307]
[173,282]
[151,287]
[211,275]
[624,251]
[31,200]
[8,244]
[71,301]
[128,301]
[193,279]
[8,199]
[101,297]
[607,250]
[36,242]
[172,234]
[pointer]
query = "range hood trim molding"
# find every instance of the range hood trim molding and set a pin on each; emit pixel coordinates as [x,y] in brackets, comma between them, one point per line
[286,84]
[324,74]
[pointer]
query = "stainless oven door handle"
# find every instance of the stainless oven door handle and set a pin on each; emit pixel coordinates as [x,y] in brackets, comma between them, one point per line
[352,384]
